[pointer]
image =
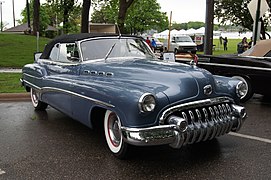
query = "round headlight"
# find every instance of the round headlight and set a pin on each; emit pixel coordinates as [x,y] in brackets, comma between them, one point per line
[241,89]
[147,102]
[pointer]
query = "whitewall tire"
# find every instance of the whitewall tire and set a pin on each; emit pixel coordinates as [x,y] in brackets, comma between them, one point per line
[38,105]
[113,135]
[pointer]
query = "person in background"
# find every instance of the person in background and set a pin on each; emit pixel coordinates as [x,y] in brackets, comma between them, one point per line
[242,46]
[250,43]
[148,41]
[225,43]
[153,44]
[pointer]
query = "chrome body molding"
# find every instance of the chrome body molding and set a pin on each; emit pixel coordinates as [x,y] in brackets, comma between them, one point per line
[52,89]
[217,121]
[235,66]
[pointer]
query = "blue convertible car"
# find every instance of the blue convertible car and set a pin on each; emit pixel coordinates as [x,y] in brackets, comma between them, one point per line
[140,100]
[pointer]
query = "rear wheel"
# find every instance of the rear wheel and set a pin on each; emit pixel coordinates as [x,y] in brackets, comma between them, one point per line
[246,89]
[113,135]
[38,105]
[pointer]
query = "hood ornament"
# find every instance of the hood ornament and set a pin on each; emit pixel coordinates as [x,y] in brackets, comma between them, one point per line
[208,90]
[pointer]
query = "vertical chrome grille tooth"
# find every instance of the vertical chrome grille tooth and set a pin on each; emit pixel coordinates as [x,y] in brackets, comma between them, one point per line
[216,111]
[212,112]
[220,110]
[198,115]
[184,116]
[205,114]
[191,116]
[224,109]
[228,108]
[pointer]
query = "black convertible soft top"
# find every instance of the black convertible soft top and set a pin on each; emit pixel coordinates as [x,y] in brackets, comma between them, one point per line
[71,38]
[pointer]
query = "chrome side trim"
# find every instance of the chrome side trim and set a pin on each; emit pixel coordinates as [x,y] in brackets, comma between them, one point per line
[51,62]
[235,66]
[31,85]
[52,89]
[32,76]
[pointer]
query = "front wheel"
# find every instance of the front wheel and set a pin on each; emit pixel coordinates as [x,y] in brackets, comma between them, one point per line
[113,135]
[38,105]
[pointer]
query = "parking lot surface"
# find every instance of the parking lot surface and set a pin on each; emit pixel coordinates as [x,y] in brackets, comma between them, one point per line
[50,145]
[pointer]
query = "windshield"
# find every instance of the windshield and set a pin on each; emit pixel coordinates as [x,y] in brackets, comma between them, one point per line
[182,39]
[123,48]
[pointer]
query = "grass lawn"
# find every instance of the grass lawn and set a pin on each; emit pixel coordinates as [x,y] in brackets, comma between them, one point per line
[232,47]
[16,50]
[10,83]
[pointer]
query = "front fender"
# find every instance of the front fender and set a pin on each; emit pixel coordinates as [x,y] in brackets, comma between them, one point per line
[125,102]
[226,85]
[33,74]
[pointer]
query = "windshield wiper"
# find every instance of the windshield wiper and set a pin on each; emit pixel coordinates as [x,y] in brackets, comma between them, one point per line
[109,52]
[138,48]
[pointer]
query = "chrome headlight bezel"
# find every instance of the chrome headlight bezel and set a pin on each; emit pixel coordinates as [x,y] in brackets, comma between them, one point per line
[239,89]
[147,103]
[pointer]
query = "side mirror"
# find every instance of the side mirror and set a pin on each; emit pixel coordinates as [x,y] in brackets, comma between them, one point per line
[37,56]
[169,56]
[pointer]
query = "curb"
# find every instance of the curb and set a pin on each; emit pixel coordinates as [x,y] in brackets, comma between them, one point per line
[15,97]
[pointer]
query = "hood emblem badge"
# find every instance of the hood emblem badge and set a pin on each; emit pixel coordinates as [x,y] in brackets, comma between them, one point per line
[208,90]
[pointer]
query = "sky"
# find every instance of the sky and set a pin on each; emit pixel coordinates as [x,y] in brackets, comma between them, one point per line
[182,10]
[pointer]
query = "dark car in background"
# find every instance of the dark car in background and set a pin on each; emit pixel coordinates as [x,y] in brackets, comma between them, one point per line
[117,82]
[159,45]
[253,67]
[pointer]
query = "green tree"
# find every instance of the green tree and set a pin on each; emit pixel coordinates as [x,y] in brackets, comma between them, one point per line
[236,13]
[142,15]
[145,15]
[53,12]
[105,11]
[44,17]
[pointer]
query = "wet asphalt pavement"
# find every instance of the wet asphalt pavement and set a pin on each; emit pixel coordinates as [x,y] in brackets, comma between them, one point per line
[50,145]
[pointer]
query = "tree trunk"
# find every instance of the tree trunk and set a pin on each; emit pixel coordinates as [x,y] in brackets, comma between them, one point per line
[36,17]
[67,6]
[85,16]
[123,7]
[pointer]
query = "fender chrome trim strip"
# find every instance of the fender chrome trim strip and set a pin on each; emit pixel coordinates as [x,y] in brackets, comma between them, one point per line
[52,89]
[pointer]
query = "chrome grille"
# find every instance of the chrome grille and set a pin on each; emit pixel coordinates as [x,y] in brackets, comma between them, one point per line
[206,119]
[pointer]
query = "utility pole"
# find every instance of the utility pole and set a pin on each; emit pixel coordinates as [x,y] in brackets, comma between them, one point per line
[28,17]
[1,3]
[209,26]
[256,25]
[13,13]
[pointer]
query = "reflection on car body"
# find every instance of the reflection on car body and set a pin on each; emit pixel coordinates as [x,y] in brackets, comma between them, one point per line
[140,100]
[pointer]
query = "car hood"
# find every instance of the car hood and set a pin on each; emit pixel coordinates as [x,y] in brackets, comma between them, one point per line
[177,81]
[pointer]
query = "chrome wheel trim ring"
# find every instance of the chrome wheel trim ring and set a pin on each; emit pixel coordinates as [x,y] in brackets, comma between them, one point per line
[245,87]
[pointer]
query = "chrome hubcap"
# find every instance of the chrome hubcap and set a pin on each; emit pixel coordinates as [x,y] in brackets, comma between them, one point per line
[114,130]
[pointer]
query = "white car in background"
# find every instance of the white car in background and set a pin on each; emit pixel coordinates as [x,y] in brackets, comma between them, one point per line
[181,44]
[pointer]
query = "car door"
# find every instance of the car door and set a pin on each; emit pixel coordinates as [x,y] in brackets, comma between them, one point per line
[62,67]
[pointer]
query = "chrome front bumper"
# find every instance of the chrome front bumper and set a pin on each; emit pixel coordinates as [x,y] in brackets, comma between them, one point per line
[177,137]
